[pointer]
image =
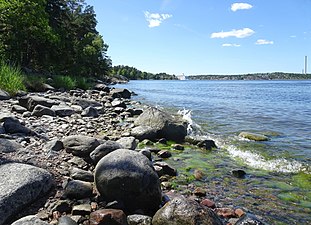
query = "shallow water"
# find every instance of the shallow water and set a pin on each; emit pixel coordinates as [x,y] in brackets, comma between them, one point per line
[220,110]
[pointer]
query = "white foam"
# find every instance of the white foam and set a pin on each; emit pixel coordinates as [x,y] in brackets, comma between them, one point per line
[192,126]
[259,162]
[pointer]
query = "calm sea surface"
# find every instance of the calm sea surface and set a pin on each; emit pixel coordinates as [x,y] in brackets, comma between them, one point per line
[221,110]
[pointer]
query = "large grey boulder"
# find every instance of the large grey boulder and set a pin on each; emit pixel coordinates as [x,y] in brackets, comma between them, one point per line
[4,95]
[129,178]
[7,146]
[170,127]
[30,220]
[104,149]
[128,142]
[30,102]
[20,185]
[84,103]
[182,211]
[80,145]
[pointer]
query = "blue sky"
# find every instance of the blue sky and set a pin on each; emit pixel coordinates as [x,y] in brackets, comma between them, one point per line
[206,36]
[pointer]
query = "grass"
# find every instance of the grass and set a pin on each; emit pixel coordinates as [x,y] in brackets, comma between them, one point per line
[11,78]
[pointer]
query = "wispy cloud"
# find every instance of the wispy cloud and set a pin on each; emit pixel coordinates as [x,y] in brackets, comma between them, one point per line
[242,33]
[293,36]
[230,45]
[240,6]
[155,19]
[264,42]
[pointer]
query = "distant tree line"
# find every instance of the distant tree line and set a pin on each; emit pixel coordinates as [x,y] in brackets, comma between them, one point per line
[253,76]
[134,74]
[55,36]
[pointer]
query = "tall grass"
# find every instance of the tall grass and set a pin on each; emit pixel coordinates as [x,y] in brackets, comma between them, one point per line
[65,82]
[11,78]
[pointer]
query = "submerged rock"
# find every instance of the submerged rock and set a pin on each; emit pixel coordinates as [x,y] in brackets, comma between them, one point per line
[253,136]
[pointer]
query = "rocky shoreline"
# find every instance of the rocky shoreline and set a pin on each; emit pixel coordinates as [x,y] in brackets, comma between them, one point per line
[87,157]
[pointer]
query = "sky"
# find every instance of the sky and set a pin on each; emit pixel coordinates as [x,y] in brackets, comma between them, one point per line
[207,36]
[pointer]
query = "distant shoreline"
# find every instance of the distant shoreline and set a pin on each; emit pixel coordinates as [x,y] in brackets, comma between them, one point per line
[254,76]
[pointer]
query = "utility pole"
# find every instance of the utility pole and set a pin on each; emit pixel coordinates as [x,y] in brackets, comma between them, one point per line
[306,64]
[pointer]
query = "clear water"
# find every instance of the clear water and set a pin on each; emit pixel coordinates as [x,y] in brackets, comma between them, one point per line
[280,110]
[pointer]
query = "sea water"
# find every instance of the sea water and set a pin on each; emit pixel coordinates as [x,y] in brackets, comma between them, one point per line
[220,110]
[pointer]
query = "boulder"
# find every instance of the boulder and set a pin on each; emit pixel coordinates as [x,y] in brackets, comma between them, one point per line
[144,132]
[13,126]
[41,110]
[167,126]
[63,110]
[7,146]
[253,136]
[65,220]
[30,220]
[30,102]
[118,103]
[182,211]
[120,93]
[104,149]
[80,145]
[84,103]
[128,142]
[128,177]
[4,95]
[108,216]
[20,185]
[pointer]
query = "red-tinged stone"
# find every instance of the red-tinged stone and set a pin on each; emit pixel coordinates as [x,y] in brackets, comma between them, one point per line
[108,217]
[208,203]
[225,212]
[239,212]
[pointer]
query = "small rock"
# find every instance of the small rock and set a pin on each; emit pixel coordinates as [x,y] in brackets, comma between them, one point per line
[79,174]
[78,189]
[199,192]
[239,212]
[238,173]
[7,146]
[128,142]
[19,109]
[139,220]
[164,154]
[54,145]
[198,174]
[108,216]
[225,212]
[90,112]
[62,206]
[104,149]
[208,203]
[63,110]
[83,209]
[166,169]
[4,95]
[178,147]
[41,110]
[66,220]
[249,219]
[80,145]
[146,153]
[207,144]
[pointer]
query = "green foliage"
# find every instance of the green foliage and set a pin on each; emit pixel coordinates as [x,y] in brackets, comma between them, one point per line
[83,83]
[34,82]
[11,78]
[55,36]
[65,82]
[134,74]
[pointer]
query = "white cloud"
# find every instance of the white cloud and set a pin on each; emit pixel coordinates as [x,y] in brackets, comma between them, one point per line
[155,19]
[239,6]
[293,36]
[264,42]
[230,45]
[242,33]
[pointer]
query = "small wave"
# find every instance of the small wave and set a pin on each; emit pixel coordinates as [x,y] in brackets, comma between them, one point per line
[193,128]
[258,162]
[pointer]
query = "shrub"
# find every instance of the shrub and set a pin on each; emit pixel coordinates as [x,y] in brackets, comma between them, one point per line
[65,82]
[11,78]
